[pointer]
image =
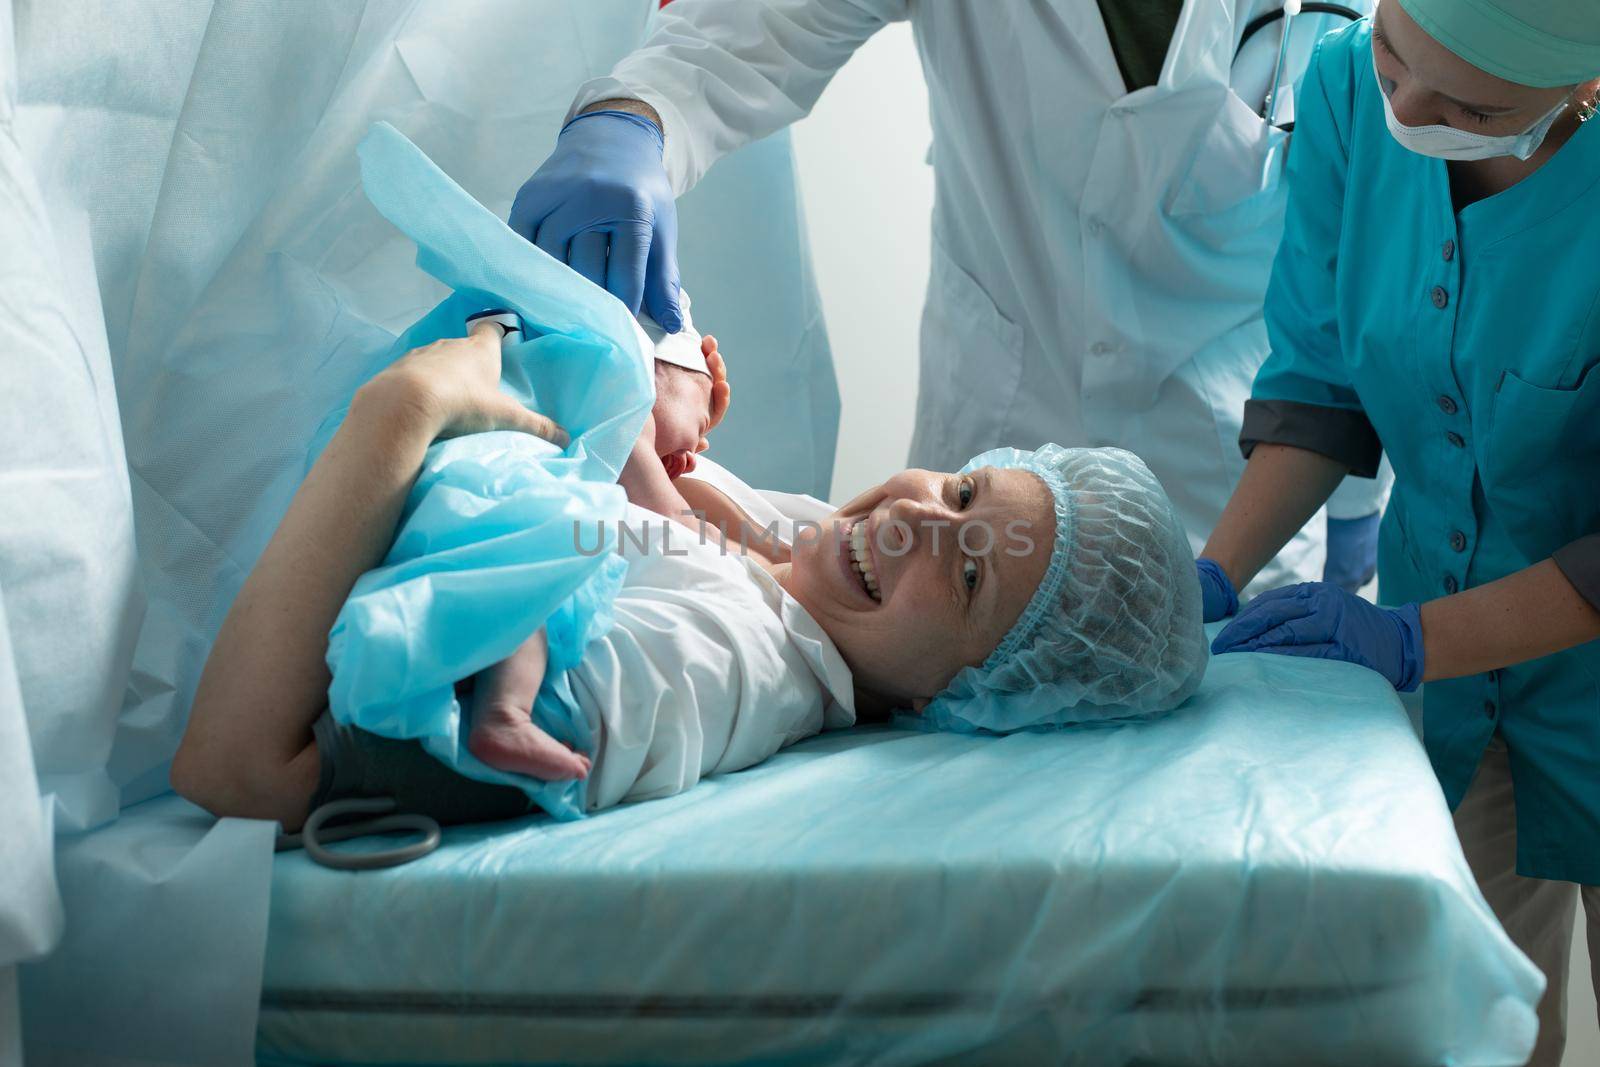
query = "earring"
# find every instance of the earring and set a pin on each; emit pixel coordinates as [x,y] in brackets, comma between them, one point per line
[1590,107]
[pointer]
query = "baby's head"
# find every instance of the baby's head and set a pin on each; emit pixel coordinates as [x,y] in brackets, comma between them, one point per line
[682,415]
[1027,589]
[684,382]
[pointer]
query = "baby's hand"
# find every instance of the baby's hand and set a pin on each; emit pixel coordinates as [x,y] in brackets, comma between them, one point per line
[678,463]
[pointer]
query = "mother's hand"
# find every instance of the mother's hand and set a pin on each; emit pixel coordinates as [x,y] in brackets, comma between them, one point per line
[454,383]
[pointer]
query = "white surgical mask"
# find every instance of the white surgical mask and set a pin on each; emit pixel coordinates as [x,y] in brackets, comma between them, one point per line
[1447,142]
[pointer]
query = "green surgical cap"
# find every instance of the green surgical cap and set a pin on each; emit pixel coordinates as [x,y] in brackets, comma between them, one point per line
[1540,43]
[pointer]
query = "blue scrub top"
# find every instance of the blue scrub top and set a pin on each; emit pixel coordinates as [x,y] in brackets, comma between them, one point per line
[1468,344]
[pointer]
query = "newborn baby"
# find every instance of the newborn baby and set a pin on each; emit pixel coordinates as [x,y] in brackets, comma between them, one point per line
[692,396]
[692,392]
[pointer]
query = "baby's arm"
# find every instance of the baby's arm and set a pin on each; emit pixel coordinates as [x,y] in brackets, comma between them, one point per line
[503,734]
[646,482]
[718,512]
[709,513]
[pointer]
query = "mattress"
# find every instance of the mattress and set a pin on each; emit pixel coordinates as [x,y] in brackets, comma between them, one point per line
[1266,876]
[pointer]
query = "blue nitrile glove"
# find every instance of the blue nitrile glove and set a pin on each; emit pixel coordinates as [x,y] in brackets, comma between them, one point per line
[1218,599]
[1352,552]
[1324,622]
[604,188]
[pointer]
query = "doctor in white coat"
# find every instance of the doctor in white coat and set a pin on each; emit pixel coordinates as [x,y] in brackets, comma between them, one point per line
[1108,200]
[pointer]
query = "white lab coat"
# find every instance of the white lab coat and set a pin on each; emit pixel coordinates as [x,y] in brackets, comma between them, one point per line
[1099,257]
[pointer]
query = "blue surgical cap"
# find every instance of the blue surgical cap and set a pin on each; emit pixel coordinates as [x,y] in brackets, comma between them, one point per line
[1114,630]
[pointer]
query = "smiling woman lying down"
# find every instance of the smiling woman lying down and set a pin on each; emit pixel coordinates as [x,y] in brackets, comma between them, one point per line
[1028,590]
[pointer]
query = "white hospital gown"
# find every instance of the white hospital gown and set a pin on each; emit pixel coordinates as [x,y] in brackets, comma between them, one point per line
[710,667]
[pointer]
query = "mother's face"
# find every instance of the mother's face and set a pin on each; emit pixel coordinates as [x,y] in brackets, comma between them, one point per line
[925,574]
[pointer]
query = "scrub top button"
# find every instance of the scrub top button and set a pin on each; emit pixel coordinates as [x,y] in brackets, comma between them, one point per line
[1101,349]
[1447,405]
[1458,541]
[1450,585]
[1441,299]
[1456,439]
[1095,227]
[1449,251]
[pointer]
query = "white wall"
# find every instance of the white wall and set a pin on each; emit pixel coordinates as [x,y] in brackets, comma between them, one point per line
[868,197]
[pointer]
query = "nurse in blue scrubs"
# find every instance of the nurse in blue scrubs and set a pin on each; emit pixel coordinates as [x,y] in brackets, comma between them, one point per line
[1437,297]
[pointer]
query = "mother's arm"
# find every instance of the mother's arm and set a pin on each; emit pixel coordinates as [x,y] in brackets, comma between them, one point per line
[247,750]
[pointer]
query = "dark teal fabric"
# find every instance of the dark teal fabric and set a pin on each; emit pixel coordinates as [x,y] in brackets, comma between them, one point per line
[1140,32]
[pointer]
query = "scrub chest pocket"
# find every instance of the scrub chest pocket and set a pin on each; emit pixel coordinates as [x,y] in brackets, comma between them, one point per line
[1541,471]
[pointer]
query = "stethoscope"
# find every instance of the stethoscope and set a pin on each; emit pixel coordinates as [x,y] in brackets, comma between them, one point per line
[1290,8]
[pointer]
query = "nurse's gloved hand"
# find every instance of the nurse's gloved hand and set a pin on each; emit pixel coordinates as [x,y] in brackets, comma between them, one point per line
[1352,552]
[1218,599]
[1322,621]
[602,203]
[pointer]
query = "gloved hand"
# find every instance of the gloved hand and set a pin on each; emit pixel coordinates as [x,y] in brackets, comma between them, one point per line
[1322,621]
[1352,552]
[604,188]
[1218,599]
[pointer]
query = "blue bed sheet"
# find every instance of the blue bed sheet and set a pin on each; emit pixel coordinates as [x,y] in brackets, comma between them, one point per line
[1269,875]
